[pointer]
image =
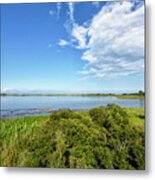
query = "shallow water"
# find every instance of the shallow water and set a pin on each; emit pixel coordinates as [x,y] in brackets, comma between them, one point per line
[14,106]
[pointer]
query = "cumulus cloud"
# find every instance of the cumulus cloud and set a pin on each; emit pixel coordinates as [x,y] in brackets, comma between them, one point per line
[113,42]
[63,43]
[80,35]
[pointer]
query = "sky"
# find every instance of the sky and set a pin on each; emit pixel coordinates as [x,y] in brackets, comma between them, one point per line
[73,47]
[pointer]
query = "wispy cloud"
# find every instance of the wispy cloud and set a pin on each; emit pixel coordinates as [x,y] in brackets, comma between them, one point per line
[71,11]
[69,24]
[76,32]
[63,42]
[51,13]
[59,5]
[71,21]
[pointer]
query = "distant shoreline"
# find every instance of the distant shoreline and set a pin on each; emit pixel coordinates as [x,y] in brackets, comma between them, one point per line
[120,96]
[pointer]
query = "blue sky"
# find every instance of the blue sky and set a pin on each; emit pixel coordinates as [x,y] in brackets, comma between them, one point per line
[73,47]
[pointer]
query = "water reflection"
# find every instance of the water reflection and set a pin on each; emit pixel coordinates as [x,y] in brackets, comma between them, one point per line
[34,105]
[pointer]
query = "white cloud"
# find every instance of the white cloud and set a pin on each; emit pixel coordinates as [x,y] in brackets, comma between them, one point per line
[71,21]
[71,11]
[59,5]
[6,89]
[79,33]
[116,41]
[63,43]
[3,89]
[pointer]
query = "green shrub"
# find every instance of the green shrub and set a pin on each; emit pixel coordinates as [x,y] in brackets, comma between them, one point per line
[118,114]
[64,113]
[98,115]
[108,116]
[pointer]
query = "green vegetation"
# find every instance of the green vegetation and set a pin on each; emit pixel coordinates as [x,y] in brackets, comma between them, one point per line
[139,95]
[130,96]
[108,137]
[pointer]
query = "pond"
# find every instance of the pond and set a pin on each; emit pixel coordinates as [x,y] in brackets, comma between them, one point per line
[14,106]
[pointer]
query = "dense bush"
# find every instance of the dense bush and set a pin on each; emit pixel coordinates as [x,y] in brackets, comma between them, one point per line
[102,138]
[65,114]
[109,116]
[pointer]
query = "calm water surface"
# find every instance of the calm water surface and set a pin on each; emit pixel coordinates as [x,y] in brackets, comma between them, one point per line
[14,106]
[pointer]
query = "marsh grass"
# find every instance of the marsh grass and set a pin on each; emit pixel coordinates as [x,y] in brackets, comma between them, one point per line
[12,131]
[136,117]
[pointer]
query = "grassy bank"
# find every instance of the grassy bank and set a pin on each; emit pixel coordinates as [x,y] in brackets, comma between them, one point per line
[130,96]
[107,137]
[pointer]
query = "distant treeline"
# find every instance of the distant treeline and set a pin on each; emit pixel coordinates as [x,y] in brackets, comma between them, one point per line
[140,94]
